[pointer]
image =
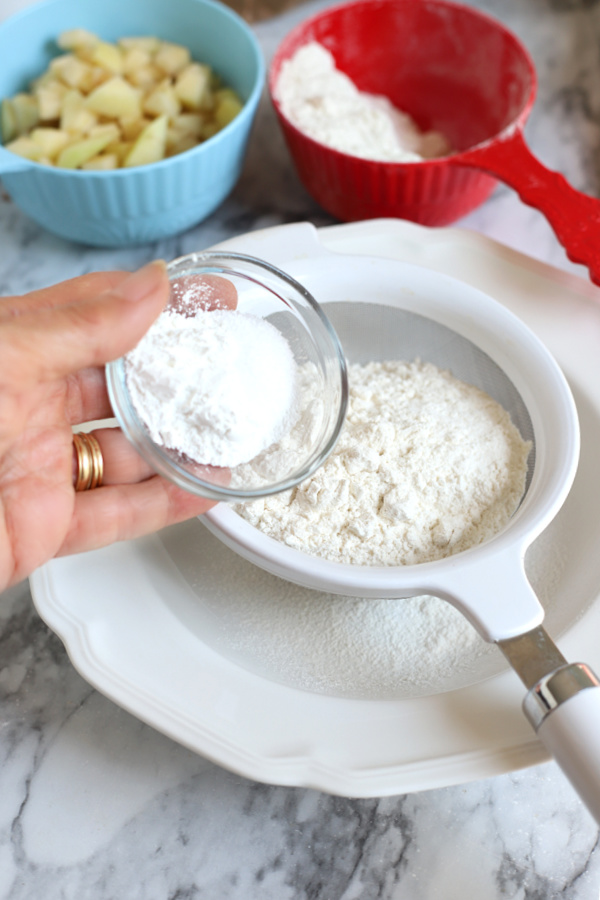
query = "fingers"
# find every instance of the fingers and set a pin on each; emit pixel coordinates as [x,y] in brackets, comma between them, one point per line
[71,291]
[87,397]
[127,511]
[52,343]
[122,463]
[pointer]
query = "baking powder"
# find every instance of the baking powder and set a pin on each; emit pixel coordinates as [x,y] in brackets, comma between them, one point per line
[326,105]
[217,386]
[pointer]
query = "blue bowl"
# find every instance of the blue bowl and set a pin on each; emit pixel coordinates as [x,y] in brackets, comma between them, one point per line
[145,203]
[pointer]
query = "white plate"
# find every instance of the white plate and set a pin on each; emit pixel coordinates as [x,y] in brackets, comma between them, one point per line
[155,624]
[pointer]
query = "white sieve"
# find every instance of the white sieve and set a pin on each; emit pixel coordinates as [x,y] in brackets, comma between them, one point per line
[386,309]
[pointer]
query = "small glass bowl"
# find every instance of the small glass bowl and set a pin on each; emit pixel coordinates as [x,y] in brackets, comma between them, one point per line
[269,293]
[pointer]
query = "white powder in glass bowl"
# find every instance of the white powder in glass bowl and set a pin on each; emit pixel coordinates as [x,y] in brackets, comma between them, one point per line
[219,386]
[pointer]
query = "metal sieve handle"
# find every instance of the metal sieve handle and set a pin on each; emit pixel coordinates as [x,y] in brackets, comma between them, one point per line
[563,705]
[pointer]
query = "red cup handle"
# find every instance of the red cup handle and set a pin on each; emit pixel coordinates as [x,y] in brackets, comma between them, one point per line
[575,217]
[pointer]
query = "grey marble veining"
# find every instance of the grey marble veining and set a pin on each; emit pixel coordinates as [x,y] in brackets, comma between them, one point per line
[95,804]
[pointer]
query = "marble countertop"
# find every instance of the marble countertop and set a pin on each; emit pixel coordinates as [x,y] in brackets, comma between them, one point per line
[95,804]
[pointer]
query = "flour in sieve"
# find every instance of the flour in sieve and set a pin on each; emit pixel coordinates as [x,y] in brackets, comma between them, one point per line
[217,386]
[326,105]
[426,466]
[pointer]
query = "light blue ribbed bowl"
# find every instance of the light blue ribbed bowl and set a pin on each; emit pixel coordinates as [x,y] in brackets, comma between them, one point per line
[145,203]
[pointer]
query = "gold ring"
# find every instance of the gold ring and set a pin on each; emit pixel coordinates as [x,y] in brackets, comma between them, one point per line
[89,462]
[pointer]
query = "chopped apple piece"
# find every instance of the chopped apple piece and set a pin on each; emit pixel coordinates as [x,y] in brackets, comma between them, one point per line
[108,56]
[74,155]
[50,140]
[115,99]
[74,115]
[27,147]
[145,43]
[162,101]
[106,128]
[150,145]
[186,142]
[120,149]
[135,58]
[189,123]
[104,162]
[228,105]
[132,127]
[26,113]
[172,58]
[49,98]
[76,38]
[209,129]
[146,77]
[8,121]
[71,70]
[193,86]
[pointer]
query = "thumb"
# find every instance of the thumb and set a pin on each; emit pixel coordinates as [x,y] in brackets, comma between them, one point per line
[51,343]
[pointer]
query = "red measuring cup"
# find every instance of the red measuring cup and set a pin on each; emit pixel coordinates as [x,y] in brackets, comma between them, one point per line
[455,70]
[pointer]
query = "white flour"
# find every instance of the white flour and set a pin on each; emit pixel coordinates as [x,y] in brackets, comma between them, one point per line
[204,385]
[325,104]
[426,466]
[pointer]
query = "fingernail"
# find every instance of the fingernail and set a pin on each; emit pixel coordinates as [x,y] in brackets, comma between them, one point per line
[143,282]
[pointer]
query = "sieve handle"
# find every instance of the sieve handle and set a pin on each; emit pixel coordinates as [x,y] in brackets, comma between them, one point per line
[564,708]
[575,217]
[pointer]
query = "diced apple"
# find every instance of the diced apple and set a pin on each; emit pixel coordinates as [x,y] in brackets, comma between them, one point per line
[26,112]
[228,105]
[146,77]
[131,128]
[150,145]
[120,149]
[106,128]
[50,140]
[49,98]
[147,44]
[187,142]
[71,70]
[135,58]
[108,56]
[172,58]
[104,162]
[46,77]
[76,38]
[74,114]
[193,86]
[189,123]
[8,121]
[74,155]
[115,99]
[26,147]
[162,101]
[209,129]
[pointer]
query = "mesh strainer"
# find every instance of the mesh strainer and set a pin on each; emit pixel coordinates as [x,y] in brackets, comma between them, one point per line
[386,309]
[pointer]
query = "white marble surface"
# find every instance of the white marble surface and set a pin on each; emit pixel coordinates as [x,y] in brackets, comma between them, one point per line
[94,804]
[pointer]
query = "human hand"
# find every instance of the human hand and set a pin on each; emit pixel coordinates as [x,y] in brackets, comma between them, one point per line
[53,346]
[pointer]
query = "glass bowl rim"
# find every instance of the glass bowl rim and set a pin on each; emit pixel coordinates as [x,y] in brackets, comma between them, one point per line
[157,458]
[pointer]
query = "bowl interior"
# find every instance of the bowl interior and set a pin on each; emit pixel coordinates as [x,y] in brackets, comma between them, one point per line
[450,67]
[213,33]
